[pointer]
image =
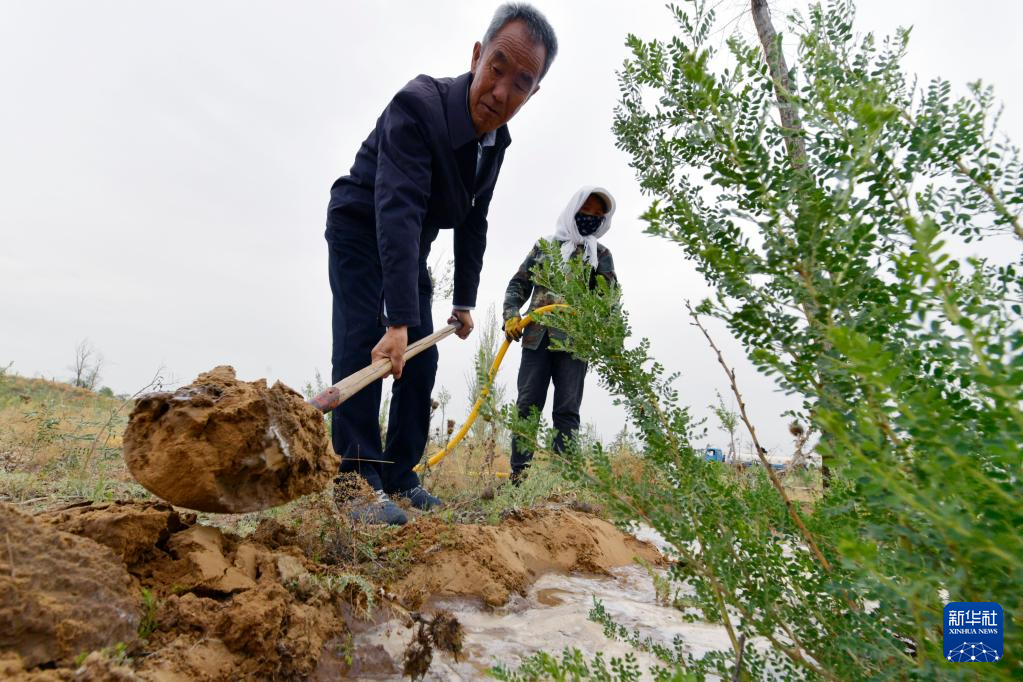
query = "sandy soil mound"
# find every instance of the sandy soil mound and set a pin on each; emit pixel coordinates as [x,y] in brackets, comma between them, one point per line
[97,667]
[218,607]
[192,602]
[493,562]
[224,445]
[60,595]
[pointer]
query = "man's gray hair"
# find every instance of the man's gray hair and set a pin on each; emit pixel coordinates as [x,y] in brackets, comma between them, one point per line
[536,23]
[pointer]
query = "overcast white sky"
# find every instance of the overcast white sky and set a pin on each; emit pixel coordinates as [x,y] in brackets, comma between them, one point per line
[165,169]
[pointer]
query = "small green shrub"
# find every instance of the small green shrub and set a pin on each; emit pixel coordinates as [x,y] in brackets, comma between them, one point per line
[150,606]
[572,666]
[839,251]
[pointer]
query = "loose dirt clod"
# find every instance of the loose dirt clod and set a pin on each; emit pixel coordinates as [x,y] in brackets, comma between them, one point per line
[134,531]
[224,445]
[60,595]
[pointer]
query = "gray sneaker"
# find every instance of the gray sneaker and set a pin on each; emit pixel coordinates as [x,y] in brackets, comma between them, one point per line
[379,510]
[420,499]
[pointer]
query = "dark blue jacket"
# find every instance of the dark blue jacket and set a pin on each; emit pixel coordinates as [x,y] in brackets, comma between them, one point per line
[414,175]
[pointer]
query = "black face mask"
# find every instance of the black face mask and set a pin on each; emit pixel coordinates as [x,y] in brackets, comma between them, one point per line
[588,224]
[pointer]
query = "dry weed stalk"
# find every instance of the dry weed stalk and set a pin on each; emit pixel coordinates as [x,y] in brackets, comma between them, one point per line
[154,384]
[775,481]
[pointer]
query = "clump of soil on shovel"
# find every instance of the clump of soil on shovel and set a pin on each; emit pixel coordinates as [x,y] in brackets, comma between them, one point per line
[228,446]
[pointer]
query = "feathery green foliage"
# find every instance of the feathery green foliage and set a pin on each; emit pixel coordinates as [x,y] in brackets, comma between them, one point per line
[853,276]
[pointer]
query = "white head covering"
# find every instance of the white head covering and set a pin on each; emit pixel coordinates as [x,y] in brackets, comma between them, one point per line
[568,233]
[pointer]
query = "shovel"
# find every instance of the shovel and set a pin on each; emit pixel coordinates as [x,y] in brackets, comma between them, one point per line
[332,396]
[222,445]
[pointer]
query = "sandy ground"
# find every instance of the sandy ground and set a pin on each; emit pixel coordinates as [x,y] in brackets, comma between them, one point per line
[492,563]
[166,598]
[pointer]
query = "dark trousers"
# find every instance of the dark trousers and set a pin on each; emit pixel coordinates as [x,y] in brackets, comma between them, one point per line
[356,281]
[536,372]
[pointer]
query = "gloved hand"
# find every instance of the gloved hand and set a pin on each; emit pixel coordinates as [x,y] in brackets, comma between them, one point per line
[511,328]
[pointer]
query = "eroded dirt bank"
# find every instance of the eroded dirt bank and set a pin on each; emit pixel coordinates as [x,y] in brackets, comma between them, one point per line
[205,605]
[165,598]
[493,562]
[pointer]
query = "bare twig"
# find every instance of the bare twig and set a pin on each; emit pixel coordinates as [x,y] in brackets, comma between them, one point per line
[996,201]
[775,481]
[30,501]
[738,659]
[155,382]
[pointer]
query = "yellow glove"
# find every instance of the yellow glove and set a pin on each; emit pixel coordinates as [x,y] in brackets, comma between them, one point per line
[511,328]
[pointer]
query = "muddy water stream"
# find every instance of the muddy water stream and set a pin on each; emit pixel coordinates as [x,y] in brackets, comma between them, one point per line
[552,616]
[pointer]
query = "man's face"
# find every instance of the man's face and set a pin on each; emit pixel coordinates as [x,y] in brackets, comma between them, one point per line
[505,75]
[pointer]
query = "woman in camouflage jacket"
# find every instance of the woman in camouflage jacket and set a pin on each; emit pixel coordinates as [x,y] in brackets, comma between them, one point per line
[586,218]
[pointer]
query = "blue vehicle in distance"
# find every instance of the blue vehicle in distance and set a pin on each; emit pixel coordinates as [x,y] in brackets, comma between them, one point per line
[713,454]
[717,455]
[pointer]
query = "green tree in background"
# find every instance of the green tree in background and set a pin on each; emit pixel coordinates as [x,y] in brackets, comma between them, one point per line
[841,212]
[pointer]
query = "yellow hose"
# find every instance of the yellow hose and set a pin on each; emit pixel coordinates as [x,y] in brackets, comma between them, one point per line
[484,392]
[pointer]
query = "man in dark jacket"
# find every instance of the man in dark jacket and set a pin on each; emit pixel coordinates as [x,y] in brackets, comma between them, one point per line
[430,163]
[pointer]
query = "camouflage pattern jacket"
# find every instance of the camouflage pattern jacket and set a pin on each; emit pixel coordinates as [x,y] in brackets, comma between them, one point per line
[521,286]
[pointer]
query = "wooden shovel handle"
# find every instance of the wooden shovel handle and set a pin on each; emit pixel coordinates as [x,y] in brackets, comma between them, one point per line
[333,396]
